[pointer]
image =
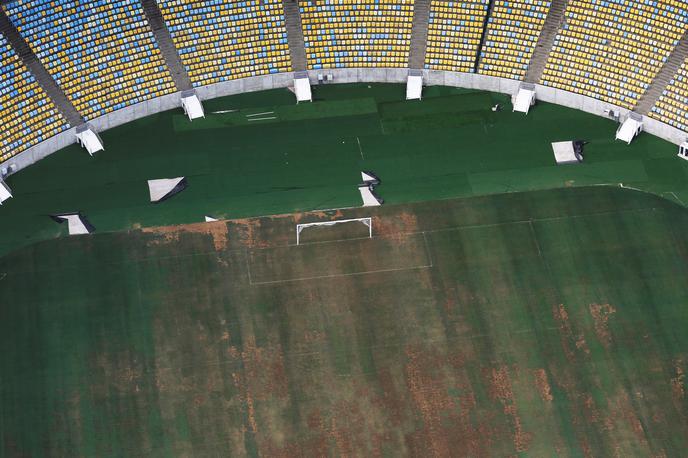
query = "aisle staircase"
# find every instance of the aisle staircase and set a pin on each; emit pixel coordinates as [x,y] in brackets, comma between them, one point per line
[169,51]
[419,34]
[553,23]
[483,37]
[661,81]
[297,46]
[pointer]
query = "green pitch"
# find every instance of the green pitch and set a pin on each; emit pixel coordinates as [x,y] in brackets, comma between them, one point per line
[545,323]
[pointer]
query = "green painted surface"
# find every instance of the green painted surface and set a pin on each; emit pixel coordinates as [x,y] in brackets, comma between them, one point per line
[450,144]
[545,323]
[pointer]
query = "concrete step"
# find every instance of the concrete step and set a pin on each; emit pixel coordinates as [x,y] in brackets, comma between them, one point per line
[44,79]
[297,46]
[419,34]
[167,47]
[553,23]
[660,82]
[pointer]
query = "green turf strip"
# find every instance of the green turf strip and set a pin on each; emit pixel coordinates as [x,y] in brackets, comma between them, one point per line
[450,144]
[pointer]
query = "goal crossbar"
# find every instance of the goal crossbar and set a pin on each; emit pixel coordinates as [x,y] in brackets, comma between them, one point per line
[368,221]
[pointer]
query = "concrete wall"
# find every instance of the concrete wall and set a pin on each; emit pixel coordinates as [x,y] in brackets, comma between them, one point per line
[39,151]
[137,111]
[341,75]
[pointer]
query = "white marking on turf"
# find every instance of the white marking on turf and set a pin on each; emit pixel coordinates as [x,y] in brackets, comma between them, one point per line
[675,197]
[248,267]
[359,148]
[537,244]
[427,249]
[350,274]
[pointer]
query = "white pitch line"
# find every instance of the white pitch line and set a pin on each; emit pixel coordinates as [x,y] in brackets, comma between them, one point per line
[261,119]
[427,249]
[260,114]
[676,197]
[248,267]
[351,274]
[359,148]
[537,244]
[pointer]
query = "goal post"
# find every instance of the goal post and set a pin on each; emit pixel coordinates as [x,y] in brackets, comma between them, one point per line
[368,221]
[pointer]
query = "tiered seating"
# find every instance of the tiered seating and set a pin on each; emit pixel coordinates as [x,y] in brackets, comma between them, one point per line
[101,52]
[220,40]
[27,115]
[512,33]
[672,106]
[454,34]
[357,33]
[612,50]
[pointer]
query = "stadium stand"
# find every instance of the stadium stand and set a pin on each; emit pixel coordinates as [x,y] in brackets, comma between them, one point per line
[672,106]
[101,53]
[104,54]
[454,34]
[220,40]
[612,50]
[27,115]
[512,32]
[349,33]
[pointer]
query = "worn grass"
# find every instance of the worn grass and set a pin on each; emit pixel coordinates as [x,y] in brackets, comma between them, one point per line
[542,323]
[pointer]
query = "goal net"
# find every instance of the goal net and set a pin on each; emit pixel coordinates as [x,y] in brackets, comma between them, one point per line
[368,222]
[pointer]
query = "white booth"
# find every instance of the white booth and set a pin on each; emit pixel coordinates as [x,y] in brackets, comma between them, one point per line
[89,139]
[630,128]
[414,85]
[192,105]
[77,224]
[367,189]
[368,196]
[164,188]
[5,192]
[524,99]
[567,152]
[302,87]
[683,151]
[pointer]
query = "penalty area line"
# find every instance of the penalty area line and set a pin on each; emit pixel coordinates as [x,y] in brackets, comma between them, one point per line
[350,274]
[427,249]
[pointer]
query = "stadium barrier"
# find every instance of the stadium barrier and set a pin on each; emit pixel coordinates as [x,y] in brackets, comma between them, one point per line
[340,75]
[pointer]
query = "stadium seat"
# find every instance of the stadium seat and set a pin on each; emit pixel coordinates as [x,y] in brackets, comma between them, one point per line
[102,53]
[512,33]
[612,50]
[27,115]
[348,33]
[221,40]
[672,106]
[454,32]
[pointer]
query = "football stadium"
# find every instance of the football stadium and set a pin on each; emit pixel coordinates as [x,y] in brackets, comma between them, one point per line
[304,228]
